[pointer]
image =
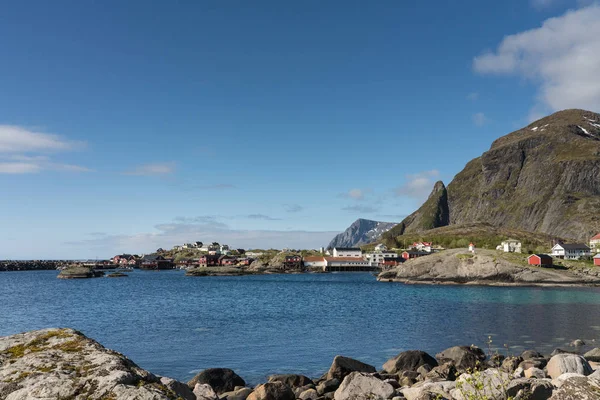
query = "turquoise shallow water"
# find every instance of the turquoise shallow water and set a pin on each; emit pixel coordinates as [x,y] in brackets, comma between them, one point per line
[257,325]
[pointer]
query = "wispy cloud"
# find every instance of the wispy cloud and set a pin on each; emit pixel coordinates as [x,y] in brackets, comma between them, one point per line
[355,194]
[473,96]
[170,234]
[479,119]
[419,185]
[293,208]
[562,58]
[17,139]
[24,151]
[19,168]
[361,209]
[154,169]
[263,217]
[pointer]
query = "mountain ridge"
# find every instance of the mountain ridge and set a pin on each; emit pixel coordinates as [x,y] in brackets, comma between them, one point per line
[543,178]
[362,231]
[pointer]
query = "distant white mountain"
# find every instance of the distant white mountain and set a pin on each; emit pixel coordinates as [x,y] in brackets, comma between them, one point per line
[362,231]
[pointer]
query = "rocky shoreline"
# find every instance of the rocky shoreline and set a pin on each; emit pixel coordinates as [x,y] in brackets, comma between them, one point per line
[65,364]
[485,267]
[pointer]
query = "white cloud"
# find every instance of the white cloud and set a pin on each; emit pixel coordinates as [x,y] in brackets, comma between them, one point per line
[18,168]
[16,139]
[479,119]
[21,149]
[24,164]
[419,185]
[562,58]
[154,169]
[205,230]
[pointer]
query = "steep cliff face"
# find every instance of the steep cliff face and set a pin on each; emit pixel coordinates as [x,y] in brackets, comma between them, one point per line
[543,178]
[362,231]
[434,213]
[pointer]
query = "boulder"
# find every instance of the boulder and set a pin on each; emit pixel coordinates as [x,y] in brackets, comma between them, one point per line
[203,391]
[510,364]
[343,366]
[534,372]
[560,351]
[519,373]
[309,394]
[409,361]
[464,357]
[427,390]
[272,391]
[577,343]
[527,354]
[444,372]
[593,355]
[220,379]
[328,385]
[179,388]
[530,389]
[292,380]
[238,394]
[490,384]
[298,390]
[538,362]
[63,363]
[578,388]
[558,382]
[563,363]
[362,386]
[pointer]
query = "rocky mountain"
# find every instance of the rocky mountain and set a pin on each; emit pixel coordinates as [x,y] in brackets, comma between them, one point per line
[542,178]
[362,231]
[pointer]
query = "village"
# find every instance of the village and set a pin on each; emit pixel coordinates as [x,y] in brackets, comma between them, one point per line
[335,259]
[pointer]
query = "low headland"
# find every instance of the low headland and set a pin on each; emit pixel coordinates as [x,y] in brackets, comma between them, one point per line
[65,364]
[489,267]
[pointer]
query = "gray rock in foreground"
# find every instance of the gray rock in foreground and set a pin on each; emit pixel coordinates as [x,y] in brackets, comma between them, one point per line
[63,363]
[409,361]
[361,386]
[220,379]
[343,366]
[568,363]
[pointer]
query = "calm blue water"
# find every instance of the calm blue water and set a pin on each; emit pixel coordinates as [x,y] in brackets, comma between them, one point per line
[174,325]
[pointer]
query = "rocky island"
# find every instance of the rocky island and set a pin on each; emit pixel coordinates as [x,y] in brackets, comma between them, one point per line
[65,364]
[486,267]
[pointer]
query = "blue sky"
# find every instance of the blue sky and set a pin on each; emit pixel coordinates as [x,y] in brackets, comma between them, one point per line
[127,126]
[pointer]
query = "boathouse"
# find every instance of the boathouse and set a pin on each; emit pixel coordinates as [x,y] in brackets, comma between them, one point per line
[540,260]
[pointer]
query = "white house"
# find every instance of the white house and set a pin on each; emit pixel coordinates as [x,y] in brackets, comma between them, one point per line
[314,262]
[347,252]
[422,246]
[573,251]
[381,247]
[377,257]
[510,246]
[595,244]
[346,262]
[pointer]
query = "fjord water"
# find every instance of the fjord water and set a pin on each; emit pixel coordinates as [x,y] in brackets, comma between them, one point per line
[174,325]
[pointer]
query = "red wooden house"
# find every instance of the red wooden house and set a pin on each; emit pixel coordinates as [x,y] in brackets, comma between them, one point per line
[540,260]
[597,260]
[208,260]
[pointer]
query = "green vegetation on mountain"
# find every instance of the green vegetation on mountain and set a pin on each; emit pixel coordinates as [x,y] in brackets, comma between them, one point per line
[544,178]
